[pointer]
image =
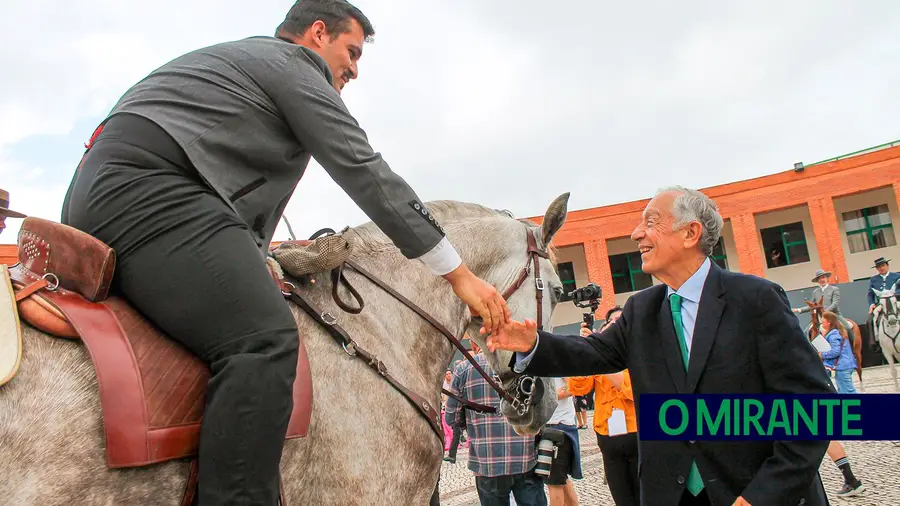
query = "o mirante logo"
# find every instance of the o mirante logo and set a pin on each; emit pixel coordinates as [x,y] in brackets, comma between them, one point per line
[768,416]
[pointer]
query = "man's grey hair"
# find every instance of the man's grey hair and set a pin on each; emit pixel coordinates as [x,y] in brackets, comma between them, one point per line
[692,205]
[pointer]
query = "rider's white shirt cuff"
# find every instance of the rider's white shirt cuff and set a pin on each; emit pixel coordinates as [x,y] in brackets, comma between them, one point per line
[442,258]
[522,360]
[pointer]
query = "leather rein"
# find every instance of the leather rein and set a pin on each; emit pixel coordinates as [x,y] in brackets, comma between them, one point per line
[520,400]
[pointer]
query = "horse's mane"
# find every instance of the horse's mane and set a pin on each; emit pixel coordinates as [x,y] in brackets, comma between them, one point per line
[449,213]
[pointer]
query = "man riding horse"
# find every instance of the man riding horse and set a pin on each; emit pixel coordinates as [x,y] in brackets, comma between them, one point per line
[187,179]
[882,281]
[830,296]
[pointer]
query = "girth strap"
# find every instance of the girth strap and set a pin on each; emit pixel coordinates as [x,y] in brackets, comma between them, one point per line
[353,349]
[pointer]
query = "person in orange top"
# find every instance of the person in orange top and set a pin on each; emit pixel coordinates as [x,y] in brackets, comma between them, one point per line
[615,422]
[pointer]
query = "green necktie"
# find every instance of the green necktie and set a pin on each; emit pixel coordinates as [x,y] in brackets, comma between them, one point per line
[694,482]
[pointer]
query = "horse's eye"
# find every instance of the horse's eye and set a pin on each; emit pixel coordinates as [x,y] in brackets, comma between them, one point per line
[557,293]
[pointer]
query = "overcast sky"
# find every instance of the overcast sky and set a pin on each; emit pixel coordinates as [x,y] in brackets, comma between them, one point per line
[506,103]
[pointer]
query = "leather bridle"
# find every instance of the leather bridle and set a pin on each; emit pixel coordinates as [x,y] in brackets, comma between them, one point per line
[890,310]
[524,386]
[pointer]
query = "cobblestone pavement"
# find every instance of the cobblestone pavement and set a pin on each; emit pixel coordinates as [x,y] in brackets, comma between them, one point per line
[876,463]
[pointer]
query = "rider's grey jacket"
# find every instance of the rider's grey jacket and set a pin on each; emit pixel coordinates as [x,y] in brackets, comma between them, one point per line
[250,113]
[831,299]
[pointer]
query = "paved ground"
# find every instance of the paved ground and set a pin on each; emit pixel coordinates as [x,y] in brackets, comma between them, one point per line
[876,463]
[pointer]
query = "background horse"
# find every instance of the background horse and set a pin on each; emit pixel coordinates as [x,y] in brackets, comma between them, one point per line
[366,444]
[853,333]
[886,321]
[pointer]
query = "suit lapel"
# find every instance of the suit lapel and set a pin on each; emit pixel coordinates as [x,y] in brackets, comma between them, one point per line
[709,313]
[669,345]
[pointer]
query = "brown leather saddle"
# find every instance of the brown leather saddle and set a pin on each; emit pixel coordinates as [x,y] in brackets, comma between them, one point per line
[152,389]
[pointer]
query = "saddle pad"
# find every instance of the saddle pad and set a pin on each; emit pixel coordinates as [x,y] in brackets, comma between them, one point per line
[152,389]
[10,331]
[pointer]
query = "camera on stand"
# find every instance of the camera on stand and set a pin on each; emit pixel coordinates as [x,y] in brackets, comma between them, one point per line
[588,295]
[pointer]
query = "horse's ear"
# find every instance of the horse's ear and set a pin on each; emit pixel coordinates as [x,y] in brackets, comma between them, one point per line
[821,300]
[554,219]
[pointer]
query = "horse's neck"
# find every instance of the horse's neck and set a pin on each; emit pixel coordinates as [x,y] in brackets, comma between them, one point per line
[413,339]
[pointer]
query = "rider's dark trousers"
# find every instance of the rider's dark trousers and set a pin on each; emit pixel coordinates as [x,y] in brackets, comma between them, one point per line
[188,263]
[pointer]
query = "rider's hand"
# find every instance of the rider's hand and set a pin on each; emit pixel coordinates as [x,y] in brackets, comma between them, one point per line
[796,310]
[585,330]
[482,298]
[513,336]
[871,308]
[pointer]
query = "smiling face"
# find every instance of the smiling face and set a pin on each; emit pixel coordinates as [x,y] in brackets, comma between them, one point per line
[882,268]
[822,280]
[340,51]
[664,249]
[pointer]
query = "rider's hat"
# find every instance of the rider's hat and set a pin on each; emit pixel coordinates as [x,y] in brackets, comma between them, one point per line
[4,206]
[819,274]
[881,260]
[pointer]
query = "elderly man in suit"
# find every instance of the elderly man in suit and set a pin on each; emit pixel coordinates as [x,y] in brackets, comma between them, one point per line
[187,179]
[5,211]
[830,295]
[882,281]
[703,331]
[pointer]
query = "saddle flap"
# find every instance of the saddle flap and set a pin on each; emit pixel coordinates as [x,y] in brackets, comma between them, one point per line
[83,264]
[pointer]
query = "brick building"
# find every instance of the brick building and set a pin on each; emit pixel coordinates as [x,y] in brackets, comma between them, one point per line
[836,215]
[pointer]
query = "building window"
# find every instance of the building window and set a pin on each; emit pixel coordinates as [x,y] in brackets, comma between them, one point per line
[718,255]
[567,275]
[627,275]
[869,229]
[785,245]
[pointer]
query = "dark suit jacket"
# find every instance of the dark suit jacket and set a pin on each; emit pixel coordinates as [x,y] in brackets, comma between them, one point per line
[879,283]
[250,113]
[746,340]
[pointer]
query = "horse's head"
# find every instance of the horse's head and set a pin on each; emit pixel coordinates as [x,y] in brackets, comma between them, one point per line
[888,302]
[815,314]
[499,257]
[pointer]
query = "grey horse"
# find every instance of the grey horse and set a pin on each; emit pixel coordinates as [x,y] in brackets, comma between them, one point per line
[366,444]
[887,328]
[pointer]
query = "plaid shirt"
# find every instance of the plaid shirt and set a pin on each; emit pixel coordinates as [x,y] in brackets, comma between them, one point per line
[494,447]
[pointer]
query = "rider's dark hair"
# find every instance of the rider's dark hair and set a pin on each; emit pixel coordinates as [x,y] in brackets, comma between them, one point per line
[336,14]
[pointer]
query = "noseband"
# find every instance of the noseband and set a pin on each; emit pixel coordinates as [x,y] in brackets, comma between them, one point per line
[524,386]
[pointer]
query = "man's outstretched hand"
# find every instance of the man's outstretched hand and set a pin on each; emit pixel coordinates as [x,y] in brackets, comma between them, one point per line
[512,336]
[482,298]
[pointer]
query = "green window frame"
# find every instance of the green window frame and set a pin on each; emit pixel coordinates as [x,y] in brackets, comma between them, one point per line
[722,259]
[633,262]
[785,244]
[566,271]
[870,229]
